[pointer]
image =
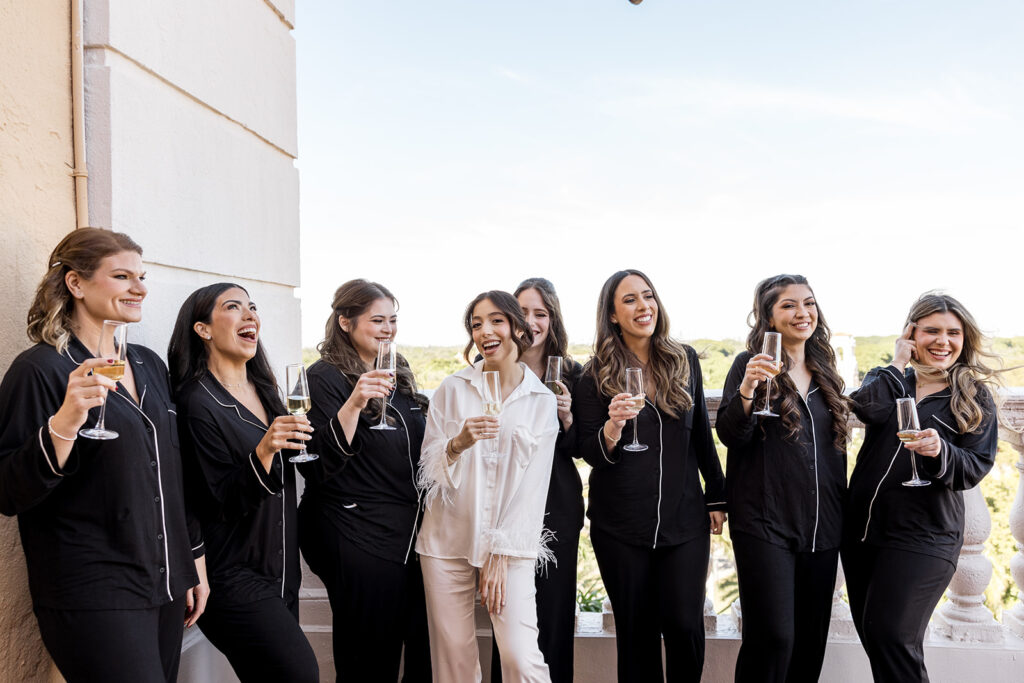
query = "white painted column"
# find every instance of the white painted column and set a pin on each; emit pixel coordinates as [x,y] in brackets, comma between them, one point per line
[964,617]
[1013,618]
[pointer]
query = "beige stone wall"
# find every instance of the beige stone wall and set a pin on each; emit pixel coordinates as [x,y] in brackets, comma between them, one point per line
[36,209]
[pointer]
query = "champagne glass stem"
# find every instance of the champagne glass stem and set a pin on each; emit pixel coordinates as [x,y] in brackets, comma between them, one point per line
[101,422]
[636,441]
[383,412]
[913,467]
[767,393]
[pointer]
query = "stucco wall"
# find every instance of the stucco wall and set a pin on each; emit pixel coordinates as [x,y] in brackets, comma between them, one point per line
[36,209]
[191,137]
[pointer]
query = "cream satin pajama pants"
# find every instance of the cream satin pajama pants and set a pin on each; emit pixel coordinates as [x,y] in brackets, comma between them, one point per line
[451,586]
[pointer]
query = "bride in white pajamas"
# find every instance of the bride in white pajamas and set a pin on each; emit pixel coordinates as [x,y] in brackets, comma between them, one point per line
[483,524]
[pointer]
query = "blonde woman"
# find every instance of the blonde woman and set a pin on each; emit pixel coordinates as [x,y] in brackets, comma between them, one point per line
[901,543]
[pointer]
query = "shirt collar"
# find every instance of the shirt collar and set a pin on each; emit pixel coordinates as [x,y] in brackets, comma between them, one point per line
[474,375]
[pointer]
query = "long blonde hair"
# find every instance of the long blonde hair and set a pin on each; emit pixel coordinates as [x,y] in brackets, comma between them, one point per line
[49,317]
[970,375]
[667,364]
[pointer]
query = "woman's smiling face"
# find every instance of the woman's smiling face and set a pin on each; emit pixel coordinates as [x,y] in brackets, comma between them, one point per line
[939,340]
[636,309]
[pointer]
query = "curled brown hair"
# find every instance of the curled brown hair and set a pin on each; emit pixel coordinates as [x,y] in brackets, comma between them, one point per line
[819,357]
[522,335]
[557,343]
[667,365]
[970,374]
[350,301]
[82,250]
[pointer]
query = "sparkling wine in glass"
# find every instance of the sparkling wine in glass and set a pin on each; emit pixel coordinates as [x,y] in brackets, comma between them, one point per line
[553,375]
[772,347]
[492,400]
[909,430]
[298,403]
[114,348]
[386,360]
[635,386]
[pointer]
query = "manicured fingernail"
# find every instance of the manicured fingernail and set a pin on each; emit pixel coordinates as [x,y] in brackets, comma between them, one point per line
[110,360]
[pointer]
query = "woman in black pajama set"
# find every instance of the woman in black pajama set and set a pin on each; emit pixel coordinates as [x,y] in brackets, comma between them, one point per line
[649,518]
[900,543]
[113,568]
[240,484]
[556,585]
[785,483]
[360,510]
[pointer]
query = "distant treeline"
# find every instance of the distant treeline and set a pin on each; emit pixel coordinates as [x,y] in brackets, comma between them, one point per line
[433,363]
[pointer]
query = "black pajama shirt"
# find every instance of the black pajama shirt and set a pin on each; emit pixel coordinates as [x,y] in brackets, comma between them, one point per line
[250,526]
[901,544]
[359,515]
[650,528]
[785,519]
[109,551]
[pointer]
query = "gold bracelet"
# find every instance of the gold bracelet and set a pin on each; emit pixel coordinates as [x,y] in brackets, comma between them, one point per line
[449,450]
[604,433]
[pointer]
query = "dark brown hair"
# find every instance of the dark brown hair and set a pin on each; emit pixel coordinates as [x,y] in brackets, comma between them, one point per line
[81,251]
[509,306]
[351,300]
[667,365]
[819,357]
[557,343]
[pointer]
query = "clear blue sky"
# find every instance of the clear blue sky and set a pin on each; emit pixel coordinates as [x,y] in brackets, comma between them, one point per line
[448,147]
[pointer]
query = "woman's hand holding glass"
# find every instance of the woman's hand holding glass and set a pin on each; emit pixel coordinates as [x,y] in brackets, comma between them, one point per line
[475,429]
[621,410]
[371,385]
[286,431]
[927,443]
[86,390]
[760,368]
[564,405]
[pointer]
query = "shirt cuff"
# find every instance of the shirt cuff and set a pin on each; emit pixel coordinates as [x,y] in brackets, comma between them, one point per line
[347,448]
[604,451]
[199,550]
[50,468]
[937,466]
[271,481]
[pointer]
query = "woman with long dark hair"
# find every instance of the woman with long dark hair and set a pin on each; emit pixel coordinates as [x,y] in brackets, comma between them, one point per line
[485,479]
[901,543]
[786,479]
[115,570]
[233,428]
[361,507]
[563,512]
[649,517]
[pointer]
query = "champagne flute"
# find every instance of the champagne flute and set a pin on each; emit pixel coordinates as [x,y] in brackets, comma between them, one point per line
[492,400]
[553,375]
[114,348]
[772,347]
[298,403]
[386,360]
[635,386]
[909,430]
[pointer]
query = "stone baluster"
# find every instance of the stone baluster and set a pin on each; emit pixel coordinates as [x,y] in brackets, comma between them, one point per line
[1013,618]
[841,625]
[964,617]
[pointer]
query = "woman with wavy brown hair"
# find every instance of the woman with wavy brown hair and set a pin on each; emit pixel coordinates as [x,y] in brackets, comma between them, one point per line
[901,542]
[114,567]
[786,479]
[649,517]
[360,511]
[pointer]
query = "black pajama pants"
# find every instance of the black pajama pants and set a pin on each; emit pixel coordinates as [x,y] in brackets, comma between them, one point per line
[262,640]
[654,593]
[786,599]
[892,596]
[115,645]
[378,606]
[556,613]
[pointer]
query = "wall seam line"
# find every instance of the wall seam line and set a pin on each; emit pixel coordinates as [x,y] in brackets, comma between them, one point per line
[186,93]
[280,14]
